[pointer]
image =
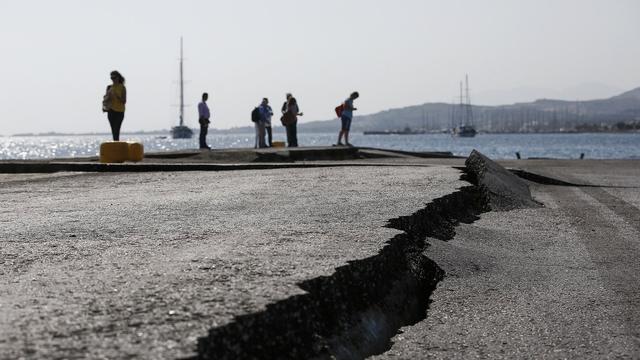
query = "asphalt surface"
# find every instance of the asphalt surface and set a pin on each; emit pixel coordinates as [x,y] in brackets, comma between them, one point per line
[557,282]
[139,265]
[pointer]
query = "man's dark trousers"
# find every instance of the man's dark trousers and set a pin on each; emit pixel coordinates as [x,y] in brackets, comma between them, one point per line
[292,135]
[204,127]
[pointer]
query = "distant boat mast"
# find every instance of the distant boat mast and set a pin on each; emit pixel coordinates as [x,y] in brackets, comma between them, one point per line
[181,131]
[465,116]
[461,117]
[181,87]
[466,111]
[469,110]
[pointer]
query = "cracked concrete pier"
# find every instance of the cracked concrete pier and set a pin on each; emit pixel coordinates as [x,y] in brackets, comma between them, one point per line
[143,264]
[172,264]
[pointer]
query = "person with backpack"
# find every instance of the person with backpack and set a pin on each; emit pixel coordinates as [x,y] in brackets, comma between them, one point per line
[290,113]
[203,119]
[267,113]
[345,112]
[259,119]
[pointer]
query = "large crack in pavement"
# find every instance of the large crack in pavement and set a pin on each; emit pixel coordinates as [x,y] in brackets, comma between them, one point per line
[355,312]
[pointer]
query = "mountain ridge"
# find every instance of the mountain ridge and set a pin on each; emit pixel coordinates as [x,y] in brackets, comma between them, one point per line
[538,115]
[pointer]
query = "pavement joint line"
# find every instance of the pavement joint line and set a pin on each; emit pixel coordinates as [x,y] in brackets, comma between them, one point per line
[572,267]
[628,212]
[617,248]
[546,180]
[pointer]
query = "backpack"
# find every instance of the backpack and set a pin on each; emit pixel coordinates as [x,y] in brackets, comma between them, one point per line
[255,115]
[339,110]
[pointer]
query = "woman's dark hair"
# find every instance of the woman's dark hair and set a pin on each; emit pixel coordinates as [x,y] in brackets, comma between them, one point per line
[118,75]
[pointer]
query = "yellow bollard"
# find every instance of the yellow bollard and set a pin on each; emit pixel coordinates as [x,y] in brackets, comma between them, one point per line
[136,151]
[114,152]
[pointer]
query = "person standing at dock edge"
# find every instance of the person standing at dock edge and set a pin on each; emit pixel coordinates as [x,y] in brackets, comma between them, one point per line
[203,118]
[290,113]
[346,117]
[114,102]
[267,113]
[259,118]
[284,111]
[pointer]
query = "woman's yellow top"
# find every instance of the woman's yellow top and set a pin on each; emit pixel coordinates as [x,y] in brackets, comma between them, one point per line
[117,97]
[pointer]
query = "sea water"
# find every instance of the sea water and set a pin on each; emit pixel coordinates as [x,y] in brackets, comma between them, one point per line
[496,146]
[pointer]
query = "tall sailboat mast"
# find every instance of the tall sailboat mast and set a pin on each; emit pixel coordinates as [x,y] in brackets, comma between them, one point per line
[181,88]
[465,117]
[181,131]
[462,112]
[469,113]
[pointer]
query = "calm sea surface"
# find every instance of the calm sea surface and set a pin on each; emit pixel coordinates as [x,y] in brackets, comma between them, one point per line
[502,146]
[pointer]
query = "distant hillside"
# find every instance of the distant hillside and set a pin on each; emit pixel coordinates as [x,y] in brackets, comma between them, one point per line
[538,116]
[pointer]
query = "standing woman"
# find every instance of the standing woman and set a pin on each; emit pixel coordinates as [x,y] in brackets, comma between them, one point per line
[114,102]
[290,120]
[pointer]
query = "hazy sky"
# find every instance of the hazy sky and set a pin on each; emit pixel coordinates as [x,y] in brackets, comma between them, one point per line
[57,55]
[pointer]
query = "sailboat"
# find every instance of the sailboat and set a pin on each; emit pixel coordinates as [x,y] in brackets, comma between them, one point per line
[181,131]
[465,119]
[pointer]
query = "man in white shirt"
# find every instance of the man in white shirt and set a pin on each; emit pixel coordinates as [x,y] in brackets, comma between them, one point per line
[203,118]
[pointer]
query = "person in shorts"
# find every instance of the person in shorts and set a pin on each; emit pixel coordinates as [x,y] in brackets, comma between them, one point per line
[347,116]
